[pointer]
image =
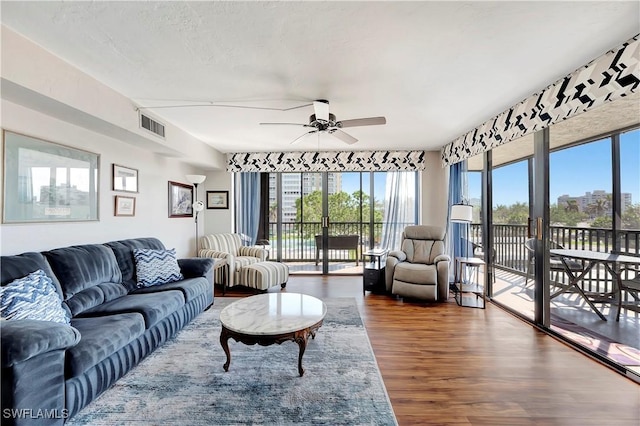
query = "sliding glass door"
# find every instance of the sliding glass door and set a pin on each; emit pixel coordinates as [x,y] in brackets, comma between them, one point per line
[322,222]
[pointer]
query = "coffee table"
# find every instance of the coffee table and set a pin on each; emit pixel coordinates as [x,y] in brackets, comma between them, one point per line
[271,318]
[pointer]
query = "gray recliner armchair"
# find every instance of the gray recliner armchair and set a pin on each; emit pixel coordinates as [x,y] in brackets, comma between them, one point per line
[421,268]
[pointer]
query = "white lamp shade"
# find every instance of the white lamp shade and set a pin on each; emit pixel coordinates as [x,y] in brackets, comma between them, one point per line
[461,213]
[196,179]
[198,206]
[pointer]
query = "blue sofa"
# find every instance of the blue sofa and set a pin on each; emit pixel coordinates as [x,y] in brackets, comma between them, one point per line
[50,371]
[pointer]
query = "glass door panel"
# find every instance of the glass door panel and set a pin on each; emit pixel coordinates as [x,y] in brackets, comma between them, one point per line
[345,222]
[513,266]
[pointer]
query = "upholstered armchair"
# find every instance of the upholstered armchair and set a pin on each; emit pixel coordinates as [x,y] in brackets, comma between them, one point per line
[421,268]
[229,247]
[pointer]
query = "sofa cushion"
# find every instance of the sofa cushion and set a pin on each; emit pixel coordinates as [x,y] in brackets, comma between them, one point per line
[415,273]
[101,337]
[153,307]
[32,297]
[191,288]
[94,296]
[155,267]
[123,250]
[20,265]
[82,267]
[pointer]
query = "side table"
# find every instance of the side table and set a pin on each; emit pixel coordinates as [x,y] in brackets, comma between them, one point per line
[373,271]
[462,288]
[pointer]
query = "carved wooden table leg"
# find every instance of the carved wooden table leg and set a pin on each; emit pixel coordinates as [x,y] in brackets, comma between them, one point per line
[224,341]
[301,339]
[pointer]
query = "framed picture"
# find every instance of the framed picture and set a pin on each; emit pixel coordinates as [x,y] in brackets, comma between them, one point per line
[125,206]
[48,182]
[180,200]
[217,199]
[125,179]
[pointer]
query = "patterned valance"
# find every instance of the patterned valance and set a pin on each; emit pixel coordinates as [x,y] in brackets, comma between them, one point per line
[612,76]
[331,161]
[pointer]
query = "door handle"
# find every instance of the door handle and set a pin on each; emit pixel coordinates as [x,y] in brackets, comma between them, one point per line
[325,221]
[539,228]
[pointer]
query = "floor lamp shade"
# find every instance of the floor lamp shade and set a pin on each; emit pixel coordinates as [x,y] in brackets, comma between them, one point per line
[461,213]
[196,179]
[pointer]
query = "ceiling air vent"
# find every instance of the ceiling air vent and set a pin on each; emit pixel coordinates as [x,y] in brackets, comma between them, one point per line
[152,125]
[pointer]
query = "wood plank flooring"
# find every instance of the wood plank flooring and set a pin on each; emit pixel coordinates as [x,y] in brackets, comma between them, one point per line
[447,365]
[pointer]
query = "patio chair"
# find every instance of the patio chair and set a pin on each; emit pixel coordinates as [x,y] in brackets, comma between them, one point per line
[630,285]
[555,265]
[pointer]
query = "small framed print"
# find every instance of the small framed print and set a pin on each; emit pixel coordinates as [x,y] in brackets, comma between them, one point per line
[125,179]
[125,206]
[217,199]
[180,200]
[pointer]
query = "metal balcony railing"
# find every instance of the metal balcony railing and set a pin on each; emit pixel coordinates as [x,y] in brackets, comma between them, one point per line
[511,254]
[298,239]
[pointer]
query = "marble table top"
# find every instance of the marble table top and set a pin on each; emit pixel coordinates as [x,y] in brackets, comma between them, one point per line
[273,313]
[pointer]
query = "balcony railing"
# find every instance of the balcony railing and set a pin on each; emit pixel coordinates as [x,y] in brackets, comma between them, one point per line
[298,244]
[298,239]
[511,254]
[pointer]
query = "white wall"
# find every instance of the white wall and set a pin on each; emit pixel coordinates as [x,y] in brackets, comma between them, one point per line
[434,191]
[151,216]
[217,221]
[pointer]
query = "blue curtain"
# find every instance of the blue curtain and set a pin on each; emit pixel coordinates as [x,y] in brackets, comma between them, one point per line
[457,232]
[399,207]
[247,205]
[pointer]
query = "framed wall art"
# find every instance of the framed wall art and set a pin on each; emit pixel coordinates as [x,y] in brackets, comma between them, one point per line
[180,200]
[124,179]
[125,206]
[217,199]
[48,182]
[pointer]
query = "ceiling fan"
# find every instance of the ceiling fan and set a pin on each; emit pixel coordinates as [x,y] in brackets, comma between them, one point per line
[324,121]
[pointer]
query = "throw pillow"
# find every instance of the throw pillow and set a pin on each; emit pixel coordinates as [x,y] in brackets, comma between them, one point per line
[32,297]
[155,267]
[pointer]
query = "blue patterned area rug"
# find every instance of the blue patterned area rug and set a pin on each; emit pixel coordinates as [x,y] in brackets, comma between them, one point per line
[183,382]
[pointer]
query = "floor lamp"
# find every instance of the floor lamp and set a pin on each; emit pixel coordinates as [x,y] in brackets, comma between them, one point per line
[198,206]
[462,213]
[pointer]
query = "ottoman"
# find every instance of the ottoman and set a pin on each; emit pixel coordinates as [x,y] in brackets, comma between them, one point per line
[264,275]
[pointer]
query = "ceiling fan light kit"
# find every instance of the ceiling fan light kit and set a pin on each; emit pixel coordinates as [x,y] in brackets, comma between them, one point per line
[323,121]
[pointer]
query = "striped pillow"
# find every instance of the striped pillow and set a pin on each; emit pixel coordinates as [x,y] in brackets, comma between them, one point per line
[155,267]
[32,297]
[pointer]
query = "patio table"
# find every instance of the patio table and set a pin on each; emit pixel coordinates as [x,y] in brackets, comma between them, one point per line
[594,258]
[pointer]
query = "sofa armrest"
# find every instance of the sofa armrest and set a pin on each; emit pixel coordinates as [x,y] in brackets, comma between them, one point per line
[195,266]
[442,258]
[25,339]
[400,255]
[258,252]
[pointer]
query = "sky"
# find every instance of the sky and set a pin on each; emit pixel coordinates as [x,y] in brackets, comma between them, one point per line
[351,183]
[572,171]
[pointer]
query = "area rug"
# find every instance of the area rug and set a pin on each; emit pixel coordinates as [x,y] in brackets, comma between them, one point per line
[183,382]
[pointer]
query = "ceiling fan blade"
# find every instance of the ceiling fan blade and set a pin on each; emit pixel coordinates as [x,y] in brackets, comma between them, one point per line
[296,140]
[371,121]
[344,137]
[285,124]
[321,108]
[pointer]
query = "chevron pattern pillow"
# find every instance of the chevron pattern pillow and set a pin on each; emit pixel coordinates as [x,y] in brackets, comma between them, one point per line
[32,297]
[155,267]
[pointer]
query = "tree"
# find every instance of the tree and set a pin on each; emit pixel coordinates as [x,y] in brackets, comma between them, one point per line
[598,208]
[572,206]
[565,216]
[601,222]
[631,217]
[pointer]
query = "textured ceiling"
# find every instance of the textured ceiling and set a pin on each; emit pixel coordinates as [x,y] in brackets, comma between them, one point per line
[434,69]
